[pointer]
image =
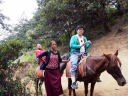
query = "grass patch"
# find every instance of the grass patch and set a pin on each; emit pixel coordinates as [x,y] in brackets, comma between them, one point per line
[28,57]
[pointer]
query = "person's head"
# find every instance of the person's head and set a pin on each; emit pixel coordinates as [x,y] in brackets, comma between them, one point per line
[39,46]
[80,30]
[53,45]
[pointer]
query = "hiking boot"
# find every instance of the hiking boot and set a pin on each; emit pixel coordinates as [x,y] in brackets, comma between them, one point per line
[74,85]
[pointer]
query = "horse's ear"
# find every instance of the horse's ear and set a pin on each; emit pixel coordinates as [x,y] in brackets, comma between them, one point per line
[107,56]
[116,52]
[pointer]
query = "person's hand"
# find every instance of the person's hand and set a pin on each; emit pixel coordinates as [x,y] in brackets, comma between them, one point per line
[37,60]
[83,44]
[68,60]
[65,61]
[89,42]
[86,43]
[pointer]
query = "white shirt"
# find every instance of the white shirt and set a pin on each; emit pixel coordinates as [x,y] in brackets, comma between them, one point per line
[81,41]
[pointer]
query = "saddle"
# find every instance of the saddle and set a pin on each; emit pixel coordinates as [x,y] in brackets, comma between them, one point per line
[80,67]
[39,73]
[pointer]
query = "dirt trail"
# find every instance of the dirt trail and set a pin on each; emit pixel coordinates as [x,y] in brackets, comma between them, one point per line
[108,44]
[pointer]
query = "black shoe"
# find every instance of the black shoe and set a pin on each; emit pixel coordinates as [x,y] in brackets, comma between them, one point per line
[74,85]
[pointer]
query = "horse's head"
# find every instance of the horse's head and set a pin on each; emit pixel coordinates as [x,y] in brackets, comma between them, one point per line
[63,65]
[114,68]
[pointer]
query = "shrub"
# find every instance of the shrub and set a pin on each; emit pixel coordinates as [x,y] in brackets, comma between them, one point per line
[9,52]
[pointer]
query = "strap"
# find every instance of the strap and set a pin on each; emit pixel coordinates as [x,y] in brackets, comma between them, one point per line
[88,70]
[78,42]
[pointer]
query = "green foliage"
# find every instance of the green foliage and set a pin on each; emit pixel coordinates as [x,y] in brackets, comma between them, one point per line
[127,10]
[60,17]
[9,52]
[112,14]
[56,17]
[28,57]
[63,39]
[31,71]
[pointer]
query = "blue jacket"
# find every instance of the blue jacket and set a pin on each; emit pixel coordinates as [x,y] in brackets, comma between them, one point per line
[74,45]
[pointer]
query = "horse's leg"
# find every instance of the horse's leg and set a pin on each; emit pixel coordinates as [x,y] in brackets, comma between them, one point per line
[69,86]
[37,81]
[40,89]
[86,88]
[74,92]
[92,88]
[41,80]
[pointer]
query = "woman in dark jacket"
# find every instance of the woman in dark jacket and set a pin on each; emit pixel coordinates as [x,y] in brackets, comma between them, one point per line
[52,73]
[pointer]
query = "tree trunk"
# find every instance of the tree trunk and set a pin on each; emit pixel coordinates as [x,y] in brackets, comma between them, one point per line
[121,5]
[103,15]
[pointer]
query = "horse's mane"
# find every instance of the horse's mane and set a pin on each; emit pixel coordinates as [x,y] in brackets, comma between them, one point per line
[113,58]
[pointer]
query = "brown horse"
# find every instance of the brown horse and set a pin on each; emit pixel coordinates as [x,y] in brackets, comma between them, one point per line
[94,66]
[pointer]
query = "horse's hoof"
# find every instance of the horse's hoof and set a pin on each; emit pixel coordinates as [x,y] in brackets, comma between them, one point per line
[98,80]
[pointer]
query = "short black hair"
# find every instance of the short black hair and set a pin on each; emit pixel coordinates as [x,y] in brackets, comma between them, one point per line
[79,26]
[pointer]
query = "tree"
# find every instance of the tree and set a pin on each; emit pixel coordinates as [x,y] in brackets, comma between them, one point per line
[60,17]
[121,6]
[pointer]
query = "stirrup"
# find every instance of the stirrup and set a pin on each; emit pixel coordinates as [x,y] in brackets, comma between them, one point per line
[74,85]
